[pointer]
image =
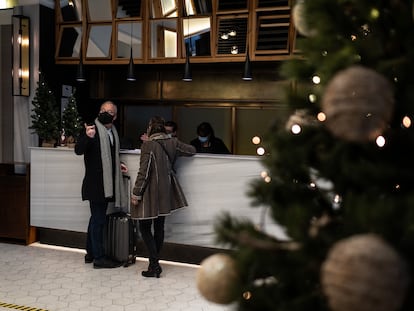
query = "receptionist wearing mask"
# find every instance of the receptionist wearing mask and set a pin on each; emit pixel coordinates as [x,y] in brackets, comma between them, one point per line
[207,142]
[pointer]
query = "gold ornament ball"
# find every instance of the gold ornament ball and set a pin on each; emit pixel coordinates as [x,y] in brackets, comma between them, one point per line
[299,20]
[364,273]
[217,279]
[358,103]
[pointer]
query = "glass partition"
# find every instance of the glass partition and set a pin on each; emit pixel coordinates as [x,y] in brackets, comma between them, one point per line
[71,10]
[70,39]
[99,10]
[99,41]
[197,36]
[231,5]
[164,9]
[129,35]
[200,7]
[163,38]
[128,8]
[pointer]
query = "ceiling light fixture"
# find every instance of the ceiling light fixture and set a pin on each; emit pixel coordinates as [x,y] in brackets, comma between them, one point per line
[224,36]
[247,74]
[232,33]
[80,73]
[234,50]
[131,73]
[188,77]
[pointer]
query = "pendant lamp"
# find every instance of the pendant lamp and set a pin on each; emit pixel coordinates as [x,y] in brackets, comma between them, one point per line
[247,74]
[80,73]
[188,77]
[131,74]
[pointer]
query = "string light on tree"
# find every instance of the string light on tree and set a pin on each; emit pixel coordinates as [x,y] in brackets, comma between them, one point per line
[375,13]
[296,129]
[321,117]
[247,295]
[312,98]
[380,141]
[365,30]
[270,280]
[256,140]
[316,79]
[336,202]
[265,176]
[260,151]
[406,122]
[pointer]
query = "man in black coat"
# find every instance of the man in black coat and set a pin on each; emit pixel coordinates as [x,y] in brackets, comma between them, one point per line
[102,183]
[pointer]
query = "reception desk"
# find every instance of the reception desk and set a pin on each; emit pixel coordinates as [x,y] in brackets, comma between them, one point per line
[213,184]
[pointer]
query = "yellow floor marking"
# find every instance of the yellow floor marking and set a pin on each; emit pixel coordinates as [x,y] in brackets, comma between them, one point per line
[18,307]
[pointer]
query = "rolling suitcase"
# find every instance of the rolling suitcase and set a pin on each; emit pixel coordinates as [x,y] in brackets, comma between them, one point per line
[121,234]
[121,237]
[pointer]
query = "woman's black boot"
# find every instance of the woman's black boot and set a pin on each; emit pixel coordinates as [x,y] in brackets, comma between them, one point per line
[154,270]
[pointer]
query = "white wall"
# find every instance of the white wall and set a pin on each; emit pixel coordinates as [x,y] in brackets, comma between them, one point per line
[5,16]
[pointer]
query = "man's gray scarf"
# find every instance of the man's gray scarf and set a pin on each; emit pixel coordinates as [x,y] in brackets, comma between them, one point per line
[106,157]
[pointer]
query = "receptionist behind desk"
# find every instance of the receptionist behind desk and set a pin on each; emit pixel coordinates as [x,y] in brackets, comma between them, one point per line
[207,142]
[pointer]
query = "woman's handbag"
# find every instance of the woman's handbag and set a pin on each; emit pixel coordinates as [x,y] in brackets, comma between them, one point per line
[178,194]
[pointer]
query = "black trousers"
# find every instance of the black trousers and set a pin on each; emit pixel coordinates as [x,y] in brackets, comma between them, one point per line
[94,240]
[153,241]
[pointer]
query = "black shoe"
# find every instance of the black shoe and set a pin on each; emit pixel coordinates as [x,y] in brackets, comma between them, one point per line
[105,263]
[88,258]
[153,271]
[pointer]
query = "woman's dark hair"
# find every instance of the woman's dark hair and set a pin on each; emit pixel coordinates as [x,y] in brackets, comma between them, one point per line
[172,124]
[205,129]
[156,125]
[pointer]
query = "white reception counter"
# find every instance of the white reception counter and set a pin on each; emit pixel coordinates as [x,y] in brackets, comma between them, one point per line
[213,184]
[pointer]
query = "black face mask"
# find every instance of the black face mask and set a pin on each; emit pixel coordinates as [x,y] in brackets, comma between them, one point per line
[105,118]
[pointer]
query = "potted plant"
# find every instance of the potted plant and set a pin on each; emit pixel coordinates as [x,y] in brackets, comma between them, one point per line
[45,114]
[71,122]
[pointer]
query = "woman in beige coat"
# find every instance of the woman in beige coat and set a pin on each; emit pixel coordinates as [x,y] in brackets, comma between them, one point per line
[156,192]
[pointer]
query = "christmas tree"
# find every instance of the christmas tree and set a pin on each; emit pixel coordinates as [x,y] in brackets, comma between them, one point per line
[71,120]
[45,112]
[339,174]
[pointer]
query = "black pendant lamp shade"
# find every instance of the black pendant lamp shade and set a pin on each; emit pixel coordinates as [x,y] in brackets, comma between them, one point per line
[80,71]
[188,77]
[247,75]
[131,73]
